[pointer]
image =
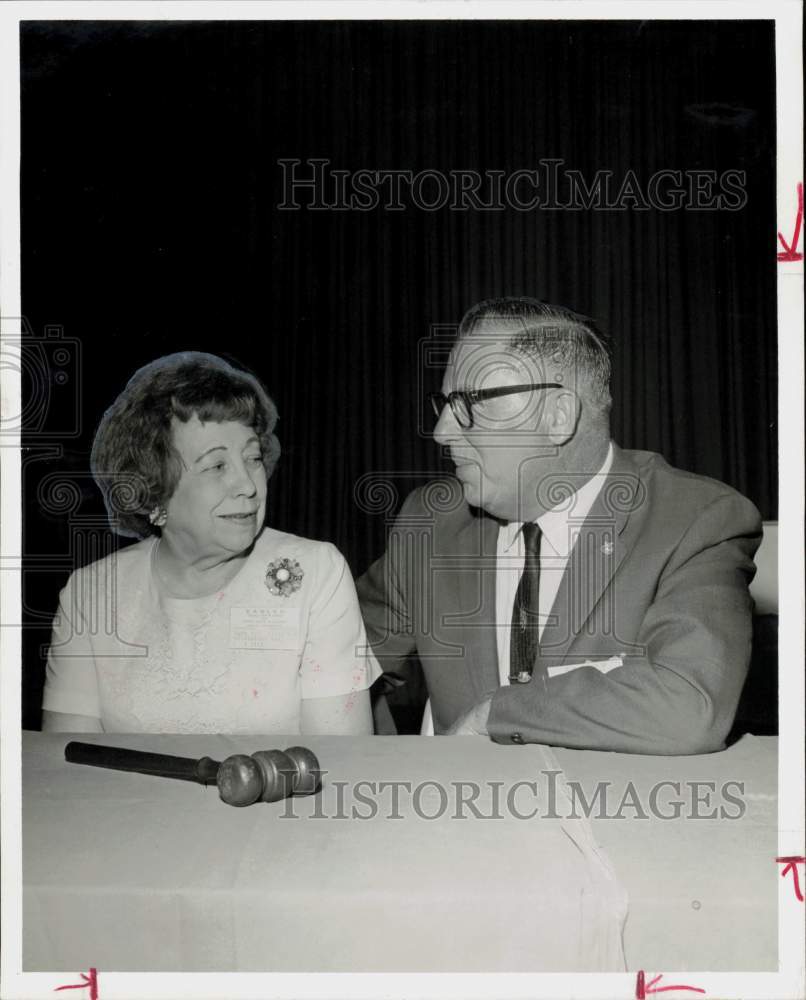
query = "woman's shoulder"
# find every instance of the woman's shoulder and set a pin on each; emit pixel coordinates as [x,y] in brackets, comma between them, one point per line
[318,561]
[124,564]
[274,544]
[292,571]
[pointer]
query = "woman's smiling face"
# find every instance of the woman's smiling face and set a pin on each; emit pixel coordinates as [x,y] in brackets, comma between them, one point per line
[219,503]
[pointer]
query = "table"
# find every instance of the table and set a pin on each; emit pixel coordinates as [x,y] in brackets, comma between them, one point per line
[703,893]
[126,872]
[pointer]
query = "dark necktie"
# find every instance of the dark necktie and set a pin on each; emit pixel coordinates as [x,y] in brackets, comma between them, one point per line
[524,635]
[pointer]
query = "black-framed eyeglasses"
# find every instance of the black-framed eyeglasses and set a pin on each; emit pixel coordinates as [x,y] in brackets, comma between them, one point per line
[462,401]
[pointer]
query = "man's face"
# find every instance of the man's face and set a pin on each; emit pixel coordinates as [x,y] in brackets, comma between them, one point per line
[502,458]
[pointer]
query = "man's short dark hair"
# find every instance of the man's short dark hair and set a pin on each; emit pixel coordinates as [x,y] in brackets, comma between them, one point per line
[559,338]
[133,459]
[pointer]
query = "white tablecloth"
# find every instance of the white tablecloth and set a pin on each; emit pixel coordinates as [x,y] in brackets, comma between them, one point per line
[125,872]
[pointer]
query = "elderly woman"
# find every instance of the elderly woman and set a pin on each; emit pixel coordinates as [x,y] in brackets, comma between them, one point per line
[212,622]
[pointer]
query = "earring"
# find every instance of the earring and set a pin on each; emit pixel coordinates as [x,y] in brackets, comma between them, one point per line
[158,516]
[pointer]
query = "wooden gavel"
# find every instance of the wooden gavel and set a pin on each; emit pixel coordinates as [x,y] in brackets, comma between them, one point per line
[265,776]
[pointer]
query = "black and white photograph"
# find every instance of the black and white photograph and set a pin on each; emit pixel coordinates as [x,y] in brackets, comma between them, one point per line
[400,407]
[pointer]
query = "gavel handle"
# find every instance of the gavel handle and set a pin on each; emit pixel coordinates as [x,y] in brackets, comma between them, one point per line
[162,765]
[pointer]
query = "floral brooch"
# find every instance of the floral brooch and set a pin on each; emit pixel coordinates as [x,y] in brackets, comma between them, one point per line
[283,577]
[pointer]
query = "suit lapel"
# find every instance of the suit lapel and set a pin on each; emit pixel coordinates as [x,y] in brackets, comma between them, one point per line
[477,544]
[594,559]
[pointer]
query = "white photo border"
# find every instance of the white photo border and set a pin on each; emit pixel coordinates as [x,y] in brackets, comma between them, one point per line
[788,982]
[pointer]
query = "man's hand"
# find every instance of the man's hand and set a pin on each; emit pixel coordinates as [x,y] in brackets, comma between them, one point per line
[474,722]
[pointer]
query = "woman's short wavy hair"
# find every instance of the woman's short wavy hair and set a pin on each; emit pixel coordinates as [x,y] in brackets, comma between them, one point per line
[134,461]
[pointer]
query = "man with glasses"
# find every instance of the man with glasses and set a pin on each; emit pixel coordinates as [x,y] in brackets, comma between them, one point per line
[562,590]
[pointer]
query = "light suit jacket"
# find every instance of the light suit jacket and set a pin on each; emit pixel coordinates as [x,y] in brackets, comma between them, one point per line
[652,620]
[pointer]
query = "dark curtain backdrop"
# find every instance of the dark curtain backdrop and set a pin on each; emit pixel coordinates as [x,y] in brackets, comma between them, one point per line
[150,222]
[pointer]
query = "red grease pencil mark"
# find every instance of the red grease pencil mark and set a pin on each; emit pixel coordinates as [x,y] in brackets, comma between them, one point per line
[791,249]
[643,989]
[91,980]
[791,863]
[254,692]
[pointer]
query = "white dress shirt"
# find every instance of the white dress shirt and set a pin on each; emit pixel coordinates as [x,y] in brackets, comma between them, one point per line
[560,528]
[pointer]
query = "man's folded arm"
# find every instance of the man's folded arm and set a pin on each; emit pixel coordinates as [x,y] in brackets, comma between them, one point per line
[383,596]
[678,696]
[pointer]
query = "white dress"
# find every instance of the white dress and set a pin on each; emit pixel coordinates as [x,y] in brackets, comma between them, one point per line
[238,661]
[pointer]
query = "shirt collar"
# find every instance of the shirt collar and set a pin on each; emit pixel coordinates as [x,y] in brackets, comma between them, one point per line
[555,523]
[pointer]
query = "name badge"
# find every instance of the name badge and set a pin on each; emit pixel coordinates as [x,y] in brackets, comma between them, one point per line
[264,628]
